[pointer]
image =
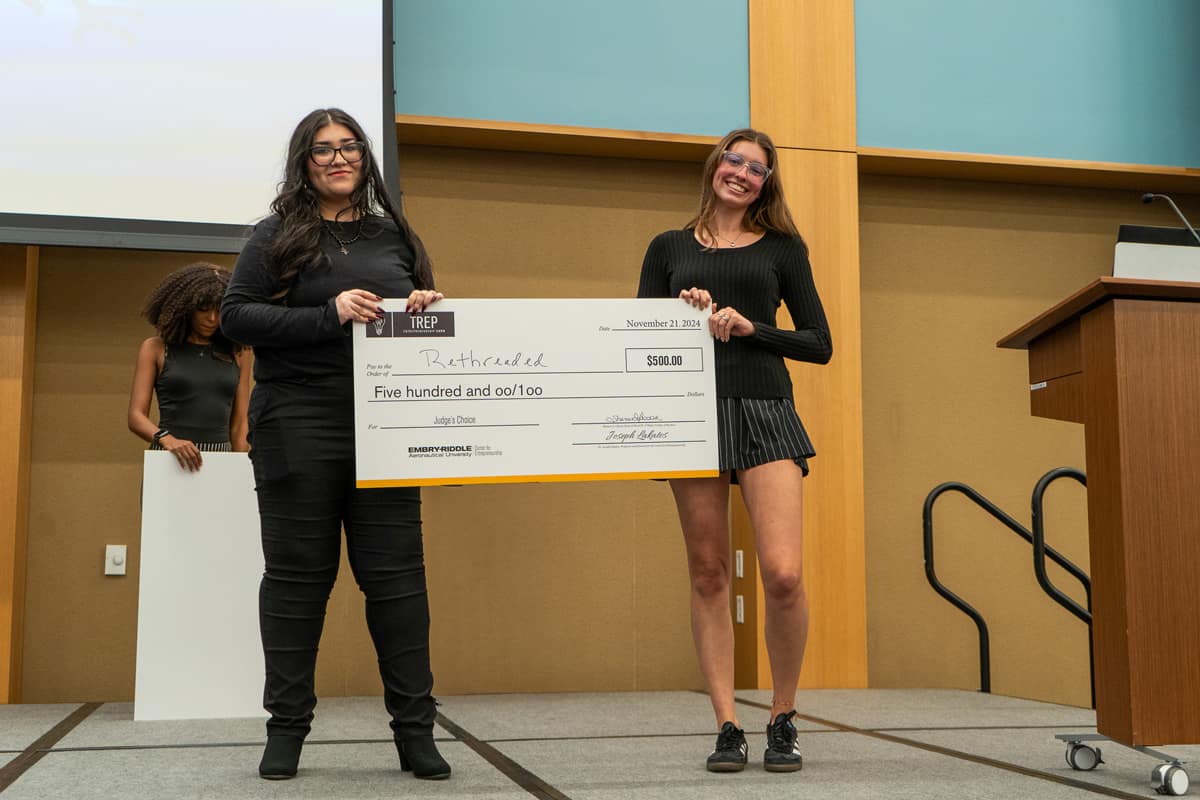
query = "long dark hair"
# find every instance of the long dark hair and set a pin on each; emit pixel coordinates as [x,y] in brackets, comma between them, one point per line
[296,247]
[768,212]
[196,287]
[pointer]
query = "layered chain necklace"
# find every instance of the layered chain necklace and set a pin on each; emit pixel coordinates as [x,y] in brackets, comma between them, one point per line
[343,244]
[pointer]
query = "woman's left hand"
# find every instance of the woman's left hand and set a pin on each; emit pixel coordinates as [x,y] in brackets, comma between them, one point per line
[421,298]
[727,322]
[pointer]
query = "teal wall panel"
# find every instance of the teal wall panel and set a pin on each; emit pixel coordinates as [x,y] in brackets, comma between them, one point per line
[651,65]
[1097,80]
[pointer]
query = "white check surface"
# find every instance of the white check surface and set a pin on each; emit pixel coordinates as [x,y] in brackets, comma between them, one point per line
[500,391]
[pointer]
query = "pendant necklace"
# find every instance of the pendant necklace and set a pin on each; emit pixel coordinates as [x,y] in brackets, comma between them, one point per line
[731,242]
[343,244]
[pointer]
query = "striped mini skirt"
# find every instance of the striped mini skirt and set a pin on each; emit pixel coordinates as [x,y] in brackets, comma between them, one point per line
[752,431]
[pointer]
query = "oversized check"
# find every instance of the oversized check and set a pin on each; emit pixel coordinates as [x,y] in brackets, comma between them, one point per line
[505,391]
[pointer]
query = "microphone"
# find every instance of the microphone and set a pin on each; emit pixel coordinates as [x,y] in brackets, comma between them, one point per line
[1148,198]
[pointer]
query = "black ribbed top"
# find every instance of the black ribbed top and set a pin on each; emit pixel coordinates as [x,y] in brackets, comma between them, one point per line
[753,280]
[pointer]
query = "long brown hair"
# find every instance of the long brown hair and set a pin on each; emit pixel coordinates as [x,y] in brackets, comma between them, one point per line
[296,247]
[768,212]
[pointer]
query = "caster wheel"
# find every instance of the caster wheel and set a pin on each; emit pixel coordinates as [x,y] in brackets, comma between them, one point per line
[1083,757]
[1169,779]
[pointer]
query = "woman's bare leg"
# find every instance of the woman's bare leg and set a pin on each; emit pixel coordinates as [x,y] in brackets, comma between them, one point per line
[703,505]
[773,494]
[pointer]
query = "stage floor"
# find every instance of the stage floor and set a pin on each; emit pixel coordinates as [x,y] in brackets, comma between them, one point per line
[856,743]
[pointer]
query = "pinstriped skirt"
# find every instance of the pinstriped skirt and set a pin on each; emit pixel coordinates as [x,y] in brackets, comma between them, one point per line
[752,431]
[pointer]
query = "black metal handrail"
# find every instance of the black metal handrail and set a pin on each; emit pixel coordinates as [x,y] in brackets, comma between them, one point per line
[1040,550]
[1039,563]
[985,676]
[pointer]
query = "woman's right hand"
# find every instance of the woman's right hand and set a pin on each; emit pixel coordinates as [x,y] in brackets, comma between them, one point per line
[357,305]
[700,298]
[185,452]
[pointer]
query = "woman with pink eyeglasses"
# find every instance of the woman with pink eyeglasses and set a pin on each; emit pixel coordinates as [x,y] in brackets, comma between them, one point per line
[742,256]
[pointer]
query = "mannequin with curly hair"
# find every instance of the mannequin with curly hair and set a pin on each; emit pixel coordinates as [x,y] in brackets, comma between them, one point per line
[201,378]
[333,248]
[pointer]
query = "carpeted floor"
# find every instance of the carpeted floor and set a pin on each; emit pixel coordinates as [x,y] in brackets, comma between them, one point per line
[857,744]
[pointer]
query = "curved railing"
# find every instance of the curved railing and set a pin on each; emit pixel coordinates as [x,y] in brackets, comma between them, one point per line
[1041,552]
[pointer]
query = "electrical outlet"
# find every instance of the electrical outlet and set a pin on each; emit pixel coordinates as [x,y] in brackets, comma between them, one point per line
[737,564]
[114,559]
[741,610]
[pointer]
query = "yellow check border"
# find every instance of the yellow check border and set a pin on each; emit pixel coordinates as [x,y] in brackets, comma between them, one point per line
[569,478]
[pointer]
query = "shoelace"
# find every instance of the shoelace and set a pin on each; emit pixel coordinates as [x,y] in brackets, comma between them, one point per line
[781,734]
[729,739]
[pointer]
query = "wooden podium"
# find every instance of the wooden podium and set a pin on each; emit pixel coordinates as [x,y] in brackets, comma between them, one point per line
[1123,357]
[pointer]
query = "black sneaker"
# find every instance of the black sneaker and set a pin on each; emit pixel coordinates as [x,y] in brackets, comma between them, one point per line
[730,752]
[782,754]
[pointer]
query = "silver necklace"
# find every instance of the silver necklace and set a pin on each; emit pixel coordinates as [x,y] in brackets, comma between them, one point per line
[731,242]
[343,244]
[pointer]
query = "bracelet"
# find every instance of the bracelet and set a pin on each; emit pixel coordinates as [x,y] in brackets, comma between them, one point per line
[159,434]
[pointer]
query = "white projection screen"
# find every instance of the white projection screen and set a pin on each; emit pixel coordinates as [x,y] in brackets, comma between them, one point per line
[163,124]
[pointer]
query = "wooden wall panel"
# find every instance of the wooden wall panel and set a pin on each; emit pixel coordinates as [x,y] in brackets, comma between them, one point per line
[802,94]
[822,191]
[18,307]
[802,72]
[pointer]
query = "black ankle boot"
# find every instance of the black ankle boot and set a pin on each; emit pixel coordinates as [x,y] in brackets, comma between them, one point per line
[420,754]
[280,758]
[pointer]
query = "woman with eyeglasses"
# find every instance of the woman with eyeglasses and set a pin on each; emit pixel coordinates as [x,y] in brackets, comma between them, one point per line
[335,245]
[742,256]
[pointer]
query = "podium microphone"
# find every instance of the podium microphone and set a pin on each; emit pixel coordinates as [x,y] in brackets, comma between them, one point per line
[1148,198]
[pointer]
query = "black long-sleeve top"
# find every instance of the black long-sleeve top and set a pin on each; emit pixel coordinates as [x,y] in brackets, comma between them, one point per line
[299,337]
[753,280]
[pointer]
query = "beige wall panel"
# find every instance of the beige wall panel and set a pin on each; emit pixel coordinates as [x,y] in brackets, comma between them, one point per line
[538,588]
[947,269]
[802,72]
[822,193]
[664,653]
[80,627]
[18,308]
[552,587]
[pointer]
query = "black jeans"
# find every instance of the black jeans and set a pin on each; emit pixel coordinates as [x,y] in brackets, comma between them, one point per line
[302,515]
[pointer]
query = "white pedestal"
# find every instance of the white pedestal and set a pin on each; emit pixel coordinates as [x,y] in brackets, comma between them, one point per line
[199,655]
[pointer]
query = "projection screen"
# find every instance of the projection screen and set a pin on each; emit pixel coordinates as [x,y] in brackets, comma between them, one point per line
[147,124]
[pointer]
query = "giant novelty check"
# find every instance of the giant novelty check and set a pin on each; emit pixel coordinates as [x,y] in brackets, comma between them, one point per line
[505,391]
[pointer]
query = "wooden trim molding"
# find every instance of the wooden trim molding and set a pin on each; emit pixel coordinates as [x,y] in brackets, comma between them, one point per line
[561,139]
[18,314]
[479,134]
[1022,169]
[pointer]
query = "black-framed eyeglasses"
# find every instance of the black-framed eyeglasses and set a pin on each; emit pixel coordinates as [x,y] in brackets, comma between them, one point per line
[323,155]
[755,169]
